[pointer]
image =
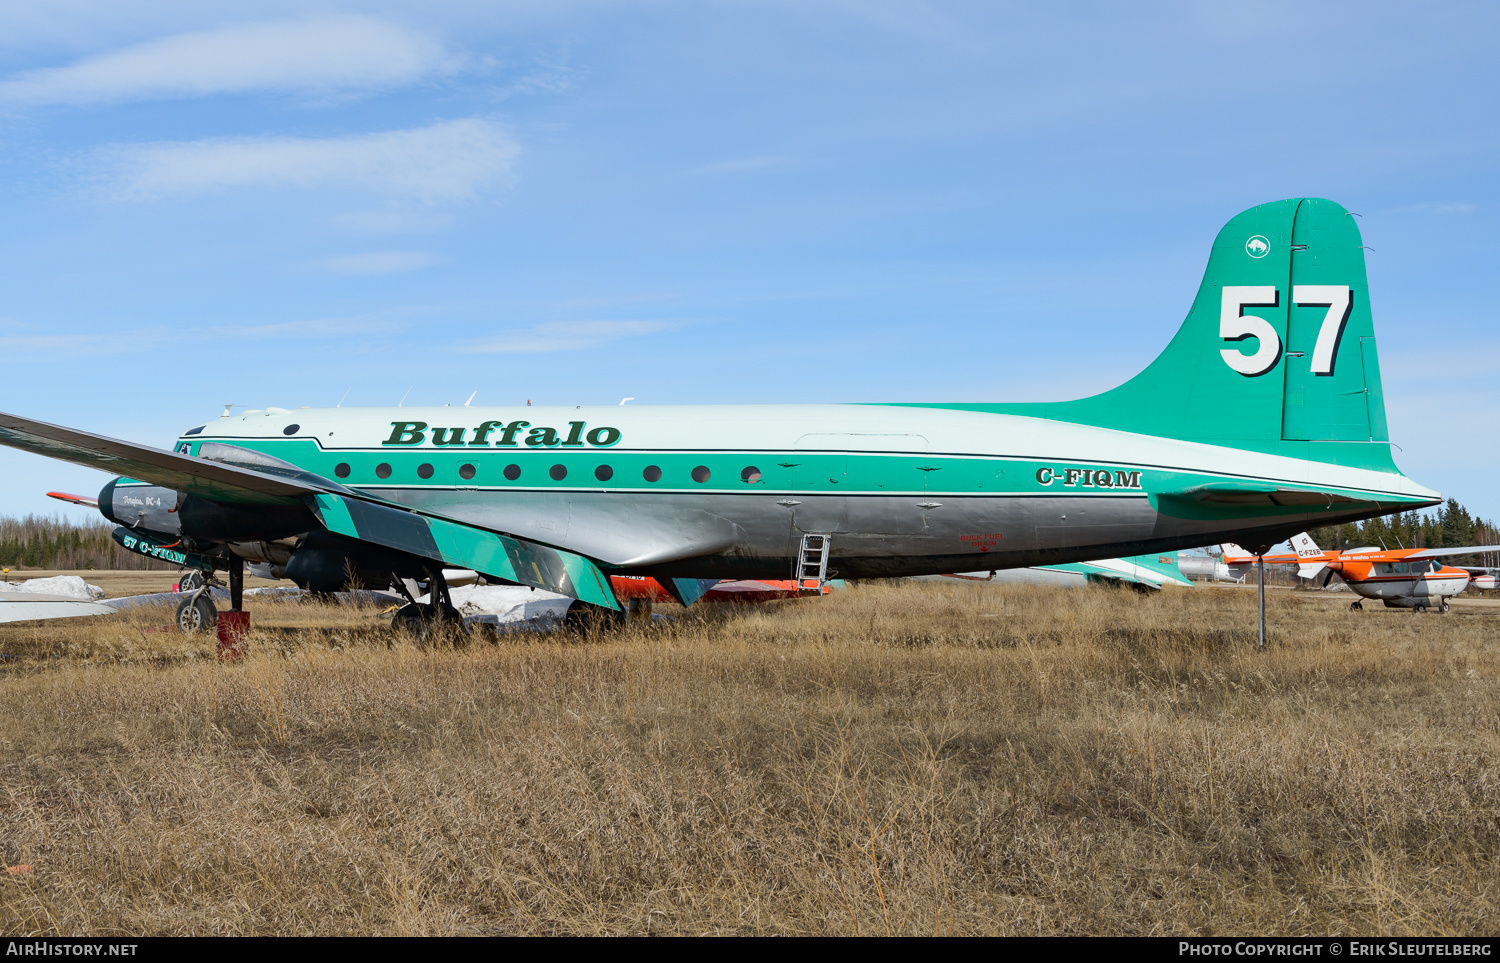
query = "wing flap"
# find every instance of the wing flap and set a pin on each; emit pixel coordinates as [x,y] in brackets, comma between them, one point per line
[458,545]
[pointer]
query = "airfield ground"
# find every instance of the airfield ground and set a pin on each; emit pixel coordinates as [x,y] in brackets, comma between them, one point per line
[903,758]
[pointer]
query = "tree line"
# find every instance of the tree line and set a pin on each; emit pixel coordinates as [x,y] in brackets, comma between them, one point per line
[39,542]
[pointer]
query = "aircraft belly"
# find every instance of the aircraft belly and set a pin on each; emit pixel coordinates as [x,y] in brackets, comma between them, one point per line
[757,535]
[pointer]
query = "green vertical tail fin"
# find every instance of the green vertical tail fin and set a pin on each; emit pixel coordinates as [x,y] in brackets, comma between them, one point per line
[1277,353]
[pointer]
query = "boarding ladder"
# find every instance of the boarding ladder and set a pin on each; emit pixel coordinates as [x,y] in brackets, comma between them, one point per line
[812,564]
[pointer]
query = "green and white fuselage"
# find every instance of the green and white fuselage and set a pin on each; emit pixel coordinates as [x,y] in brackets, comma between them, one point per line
[729,490]
[1285,431]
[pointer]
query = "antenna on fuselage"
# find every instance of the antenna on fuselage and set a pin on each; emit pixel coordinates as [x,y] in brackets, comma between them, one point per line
[226,410]
[471,397]
[341,400]
[403,397]
[623,400]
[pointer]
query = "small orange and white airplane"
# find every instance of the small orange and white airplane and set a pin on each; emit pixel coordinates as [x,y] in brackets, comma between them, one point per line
[1401,578]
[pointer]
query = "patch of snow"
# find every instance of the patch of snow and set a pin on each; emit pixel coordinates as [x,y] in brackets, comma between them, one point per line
[64,586]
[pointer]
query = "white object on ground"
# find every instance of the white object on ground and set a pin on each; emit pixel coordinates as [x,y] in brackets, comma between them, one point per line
[26,606]
[58,586]
[506,603]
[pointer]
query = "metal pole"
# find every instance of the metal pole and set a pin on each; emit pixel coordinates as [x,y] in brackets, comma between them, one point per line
[1261,566]
[236,582]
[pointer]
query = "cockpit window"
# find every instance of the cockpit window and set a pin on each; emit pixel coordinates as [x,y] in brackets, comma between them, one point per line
[194,431]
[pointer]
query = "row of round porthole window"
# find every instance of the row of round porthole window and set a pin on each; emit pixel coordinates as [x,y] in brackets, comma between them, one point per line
[467,471]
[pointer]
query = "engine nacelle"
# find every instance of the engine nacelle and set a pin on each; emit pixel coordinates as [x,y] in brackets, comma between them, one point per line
[324,562]
[148,508]
[224,522]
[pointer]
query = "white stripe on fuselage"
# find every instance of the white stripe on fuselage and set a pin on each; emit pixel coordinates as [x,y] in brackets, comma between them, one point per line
[875,428]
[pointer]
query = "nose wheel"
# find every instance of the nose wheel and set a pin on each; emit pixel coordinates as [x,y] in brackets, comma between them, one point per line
[1443,605]
[1356,606]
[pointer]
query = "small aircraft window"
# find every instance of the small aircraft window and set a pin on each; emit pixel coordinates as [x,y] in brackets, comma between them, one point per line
[558,472]
[604,473]
[652,473]
[382,471]
[291,429]
[424,471]
[467,472]
[700,474]
[342,469]
[512,472]
[1402,568]
[750,475]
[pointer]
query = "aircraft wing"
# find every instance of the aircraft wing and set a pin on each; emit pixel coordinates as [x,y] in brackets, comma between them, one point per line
[1465,550]
[85,500]
[1152,571]
[212,480]
[28,606]
[452,543]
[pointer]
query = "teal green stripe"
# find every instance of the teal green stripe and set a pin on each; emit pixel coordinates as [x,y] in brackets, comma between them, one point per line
[335,516]
[465,547]
[591,584]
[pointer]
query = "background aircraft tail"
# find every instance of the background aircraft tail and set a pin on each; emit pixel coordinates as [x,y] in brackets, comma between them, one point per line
[1277,353]
[1313,558]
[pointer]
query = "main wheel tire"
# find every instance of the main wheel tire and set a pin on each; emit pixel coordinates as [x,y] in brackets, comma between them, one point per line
[1419,608]
[197,614]
[585,617]
[191,581]
[417,622]
[1356,606]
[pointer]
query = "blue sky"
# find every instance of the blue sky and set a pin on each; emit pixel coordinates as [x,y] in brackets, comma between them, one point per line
[290,204]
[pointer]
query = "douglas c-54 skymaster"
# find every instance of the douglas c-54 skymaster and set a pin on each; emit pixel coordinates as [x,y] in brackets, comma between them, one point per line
[1280,335]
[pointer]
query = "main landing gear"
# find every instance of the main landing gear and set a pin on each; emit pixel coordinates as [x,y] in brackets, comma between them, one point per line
[1356,606]
[427,622]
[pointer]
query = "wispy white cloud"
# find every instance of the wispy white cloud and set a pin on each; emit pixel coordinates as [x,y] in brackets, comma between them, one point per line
[451,160]
[20,338]
[374,262]
[320,56]
[311,328]
[569,335]
[744,164]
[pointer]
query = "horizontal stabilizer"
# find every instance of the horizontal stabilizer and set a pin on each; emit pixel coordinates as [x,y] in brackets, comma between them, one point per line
[1237,498]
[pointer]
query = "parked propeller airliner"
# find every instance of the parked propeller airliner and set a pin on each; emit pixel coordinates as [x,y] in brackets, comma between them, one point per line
[1280,335]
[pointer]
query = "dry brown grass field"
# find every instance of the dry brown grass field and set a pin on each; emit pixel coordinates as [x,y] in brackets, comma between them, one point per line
[903,759]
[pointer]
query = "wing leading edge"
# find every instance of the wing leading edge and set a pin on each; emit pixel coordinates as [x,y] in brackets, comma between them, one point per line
[428,536]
